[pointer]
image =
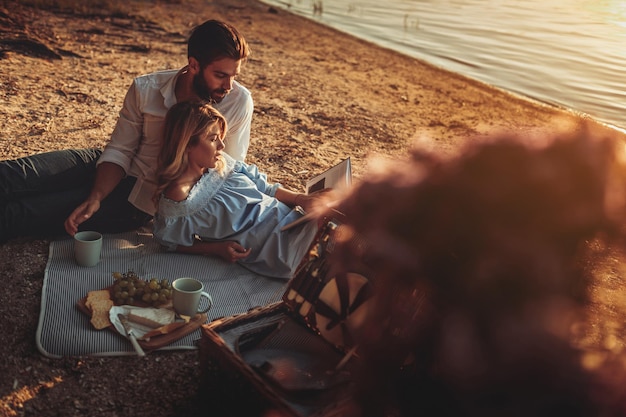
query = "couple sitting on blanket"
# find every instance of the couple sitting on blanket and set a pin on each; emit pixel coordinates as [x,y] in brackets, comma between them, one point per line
[210,204]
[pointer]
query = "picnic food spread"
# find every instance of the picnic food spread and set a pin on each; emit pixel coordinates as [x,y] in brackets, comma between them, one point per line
[145,305]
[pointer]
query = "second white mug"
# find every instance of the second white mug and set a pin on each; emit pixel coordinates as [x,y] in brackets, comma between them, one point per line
[186,295]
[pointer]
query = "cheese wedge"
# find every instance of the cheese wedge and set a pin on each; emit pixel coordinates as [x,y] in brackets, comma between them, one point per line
[151,317]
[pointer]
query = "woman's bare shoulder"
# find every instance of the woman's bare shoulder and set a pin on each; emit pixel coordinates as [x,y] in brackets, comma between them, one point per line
[177,191]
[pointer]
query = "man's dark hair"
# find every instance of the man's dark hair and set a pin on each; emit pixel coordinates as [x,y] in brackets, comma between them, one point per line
[215,40]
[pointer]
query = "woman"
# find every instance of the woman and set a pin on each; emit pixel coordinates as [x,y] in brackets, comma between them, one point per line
[210,204]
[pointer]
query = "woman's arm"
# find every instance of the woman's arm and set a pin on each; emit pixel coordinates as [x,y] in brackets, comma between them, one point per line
[290,198]
[228,250]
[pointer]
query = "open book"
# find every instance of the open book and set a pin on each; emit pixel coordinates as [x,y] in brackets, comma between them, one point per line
[336,177]
[339,176]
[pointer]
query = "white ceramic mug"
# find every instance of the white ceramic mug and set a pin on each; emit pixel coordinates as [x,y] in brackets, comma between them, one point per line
[186,295]
[87,248]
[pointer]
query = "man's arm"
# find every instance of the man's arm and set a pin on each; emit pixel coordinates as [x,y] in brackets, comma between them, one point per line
[114,161]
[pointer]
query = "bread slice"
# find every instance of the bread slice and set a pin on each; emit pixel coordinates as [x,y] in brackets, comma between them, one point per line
[95,296]
[99,303]
[151,317]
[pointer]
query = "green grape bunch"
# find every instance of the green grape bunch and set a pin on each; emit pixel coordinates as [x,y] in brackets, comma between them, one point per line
[130,289]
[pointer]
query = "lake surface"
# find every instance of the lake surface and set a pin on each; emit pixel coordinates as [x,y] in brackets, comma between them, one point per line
[569,53]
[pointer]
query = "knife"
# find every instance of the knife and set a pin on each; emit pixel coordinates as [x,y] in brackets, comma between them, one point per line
[131,334]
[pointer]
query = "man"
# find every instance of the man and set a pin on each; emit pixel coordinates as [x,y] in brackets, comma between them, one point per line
[111,191]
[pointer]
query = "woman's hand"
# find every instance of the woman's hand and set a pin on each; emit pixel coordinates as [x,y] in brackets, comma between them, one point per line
[310,201]
[230,251]
[307,201]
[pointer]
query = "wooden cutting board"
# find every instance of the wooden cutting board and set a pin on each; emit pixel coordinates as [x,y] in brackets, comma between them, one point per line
[159,341]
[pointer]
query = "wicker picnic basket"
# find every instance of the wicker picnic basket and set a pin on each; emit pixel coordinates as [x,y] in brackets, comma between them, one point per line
[296,357]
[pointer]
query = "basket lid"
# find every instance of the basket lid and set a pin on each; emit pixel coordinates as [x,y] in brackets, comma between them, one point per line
[330,293]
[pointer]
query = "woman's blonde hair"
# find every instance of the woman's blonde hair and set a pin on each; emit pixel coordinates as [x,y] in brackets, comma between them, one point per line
[185,123]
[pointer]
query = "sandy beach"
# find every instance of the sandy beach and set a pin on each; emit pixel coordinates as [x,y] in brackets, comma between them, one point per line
[320,96]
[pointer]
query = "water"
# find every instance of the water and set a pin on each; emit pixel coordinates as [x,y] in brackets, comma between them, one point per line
[569,53]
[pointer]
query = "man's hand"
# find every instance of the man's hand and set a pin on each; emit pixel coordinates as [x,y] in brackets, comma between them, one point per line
[108,176]
[81,214]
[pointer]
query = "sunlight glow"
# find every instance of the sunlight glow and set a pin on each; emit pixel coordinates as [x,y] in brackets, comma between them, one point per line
[11,404]
[615,10]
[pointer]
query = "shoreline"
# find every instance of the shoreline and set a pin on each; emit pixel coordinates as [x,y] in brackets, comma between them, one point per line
[450,108]
[428,44]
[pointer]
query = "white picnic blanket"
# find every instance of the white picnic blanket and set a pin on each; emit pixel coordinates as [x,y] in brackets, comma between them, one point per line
[63,330]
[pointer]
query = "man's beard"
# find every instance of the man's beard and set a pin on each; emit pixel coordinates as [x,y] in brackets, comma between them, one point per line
[203,91]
